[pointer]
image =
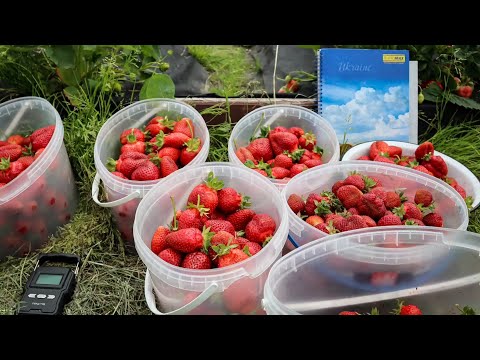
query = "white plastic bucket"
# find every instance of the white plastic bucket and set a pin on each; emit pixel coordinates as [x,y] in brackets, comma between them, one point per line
[182,291]
[124,195]
[451,205]
[287,116]
[323,278]
[44,196]
[457,170]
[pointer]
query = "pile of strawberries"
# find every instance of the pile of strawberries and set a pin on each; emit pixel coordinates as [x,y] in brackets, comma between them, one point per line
[19,152]
[281,153]
[361,201]
[424,160]
[401,309]
[215,230]
[158,150]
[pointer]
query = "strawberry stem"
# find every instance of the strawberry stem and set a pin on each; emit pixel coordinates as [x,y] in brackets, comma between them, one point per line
[175,225]
[4,164]
[213,182]
[111,165]
[245,202]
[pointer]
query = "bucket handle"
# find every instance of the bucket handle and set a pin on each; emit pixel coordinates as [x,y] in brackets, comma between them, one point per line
[293,242]
[150,298]
[95,190]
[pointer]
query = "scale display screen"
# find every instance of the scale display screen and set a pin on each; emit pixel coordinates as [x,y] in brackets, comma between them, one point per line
[49,279]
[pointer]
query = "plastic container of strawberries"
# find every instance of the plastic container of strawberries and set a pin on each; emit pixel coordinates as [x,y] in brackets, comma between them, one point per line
[124,195]
[44,196]
[449,202]
[339,273]
[457,170]
[187,291]
[288,116]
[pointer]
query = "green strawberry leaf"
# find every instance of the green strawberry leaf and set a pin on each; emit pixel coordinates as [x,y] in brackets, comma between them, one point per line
[466,310]
[322,207]
[250,164]
[296,154]
[239,233]
[111,165]
[158,86]
[318,150]
[399,211]
[469,202]
[246,203]
[213,182]
[246,250]
[264,131]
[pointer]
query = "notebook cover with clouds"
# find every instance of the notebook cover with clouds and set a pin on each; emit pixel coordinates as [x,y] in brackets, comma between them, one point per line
[367,94]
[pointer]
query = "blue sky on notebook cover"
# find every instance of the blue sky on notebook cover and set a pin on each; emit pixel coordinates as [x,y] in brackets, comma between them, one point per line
[365,94]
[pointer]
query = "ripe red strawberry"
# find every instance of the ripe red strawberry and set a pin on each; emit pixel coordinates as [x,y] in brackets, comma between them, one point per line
[229,200]
[413,222]
[223,237]
[171,256]
[207,192]
[377,148]
[408,210]
[146,171]
[234,256]
[437,166]
[381,158]
[26,161]
[369,221]
[241,241]
[297,169]
[176,140]
[424,197]
[213,216]
[220,244]
[376,181]
[394,151]
[380,192]
[2,185]
[266,132]
[261,149]
[261,172]
[139,146]
[38,153]
[310,204]
[11,152]
[410,310]
[188,240]
[460,190]
[323,227]
[271,162]
[173,153]
[283,141]
[332,217]
[297,131]
[392,200]
[433,219]
[127,163]
[193,147]
[251,248]
[424,151]
[314,220]
[280,173]
[16,139]
[220,225]
[283,160]
[337,186]
[158,240]
[131,136]
[244,154]
[348,313]
[296,203]
[184,126]
[41,137]
[349,195]
[389,220]
[197,260]
[260,228]
[451,181]
[157,124]
[168,166]
[190,218]
[371,205]
[422,169]
[355,180]
[307,141]
[312,163]
[241,218]
[364,157]
[353,211]
[351,223]
[10,170]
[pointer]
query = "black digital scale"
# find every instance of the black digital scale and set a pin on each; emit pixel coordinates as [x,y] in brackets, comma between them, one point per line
[49,288]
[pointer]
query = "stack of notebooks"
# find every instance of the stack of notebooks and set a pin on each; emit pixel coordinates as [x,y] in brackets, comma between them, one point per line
[368,95]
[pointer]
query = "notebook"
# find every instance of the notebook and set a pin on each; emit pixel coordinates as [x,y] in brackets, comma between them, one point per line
[368,95]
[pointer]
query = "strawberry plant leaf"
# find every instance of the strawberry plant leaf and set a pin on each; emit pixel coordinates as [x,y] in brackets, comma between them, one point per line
[464,102]
[158,86]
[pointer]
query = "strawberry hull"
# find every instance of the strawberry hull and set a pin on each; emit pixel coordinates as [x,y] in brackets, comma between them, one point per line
[107,145]
[233,289]
[27,217]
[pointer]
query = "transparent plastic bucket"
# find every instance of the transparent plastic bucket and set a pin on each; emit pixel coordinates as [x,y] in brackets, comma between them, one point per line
[457,170]
[124,195]
[288,116]
[44,196]
[233,289]
[340,273]
[449,202]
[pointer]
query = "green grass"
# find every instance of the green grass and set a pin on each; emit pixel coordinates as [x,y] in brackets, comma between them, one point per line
[231,68]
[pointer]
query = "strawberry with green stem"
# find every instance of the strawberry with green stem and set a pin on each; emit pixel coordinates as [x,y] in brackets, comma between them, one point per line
[208,192]
[157,124]
[131,136]
[184,126]
[406,309]
[193,147]
[192,216]
[230,200]
[307,141]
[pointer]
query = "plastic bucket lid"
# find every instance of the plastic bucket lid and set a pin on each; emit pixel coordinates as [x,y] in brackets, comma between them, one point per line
[25,115]
[457,170]
[323,278]
[137,115]
[449,202]
[155,209]
[288,116]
